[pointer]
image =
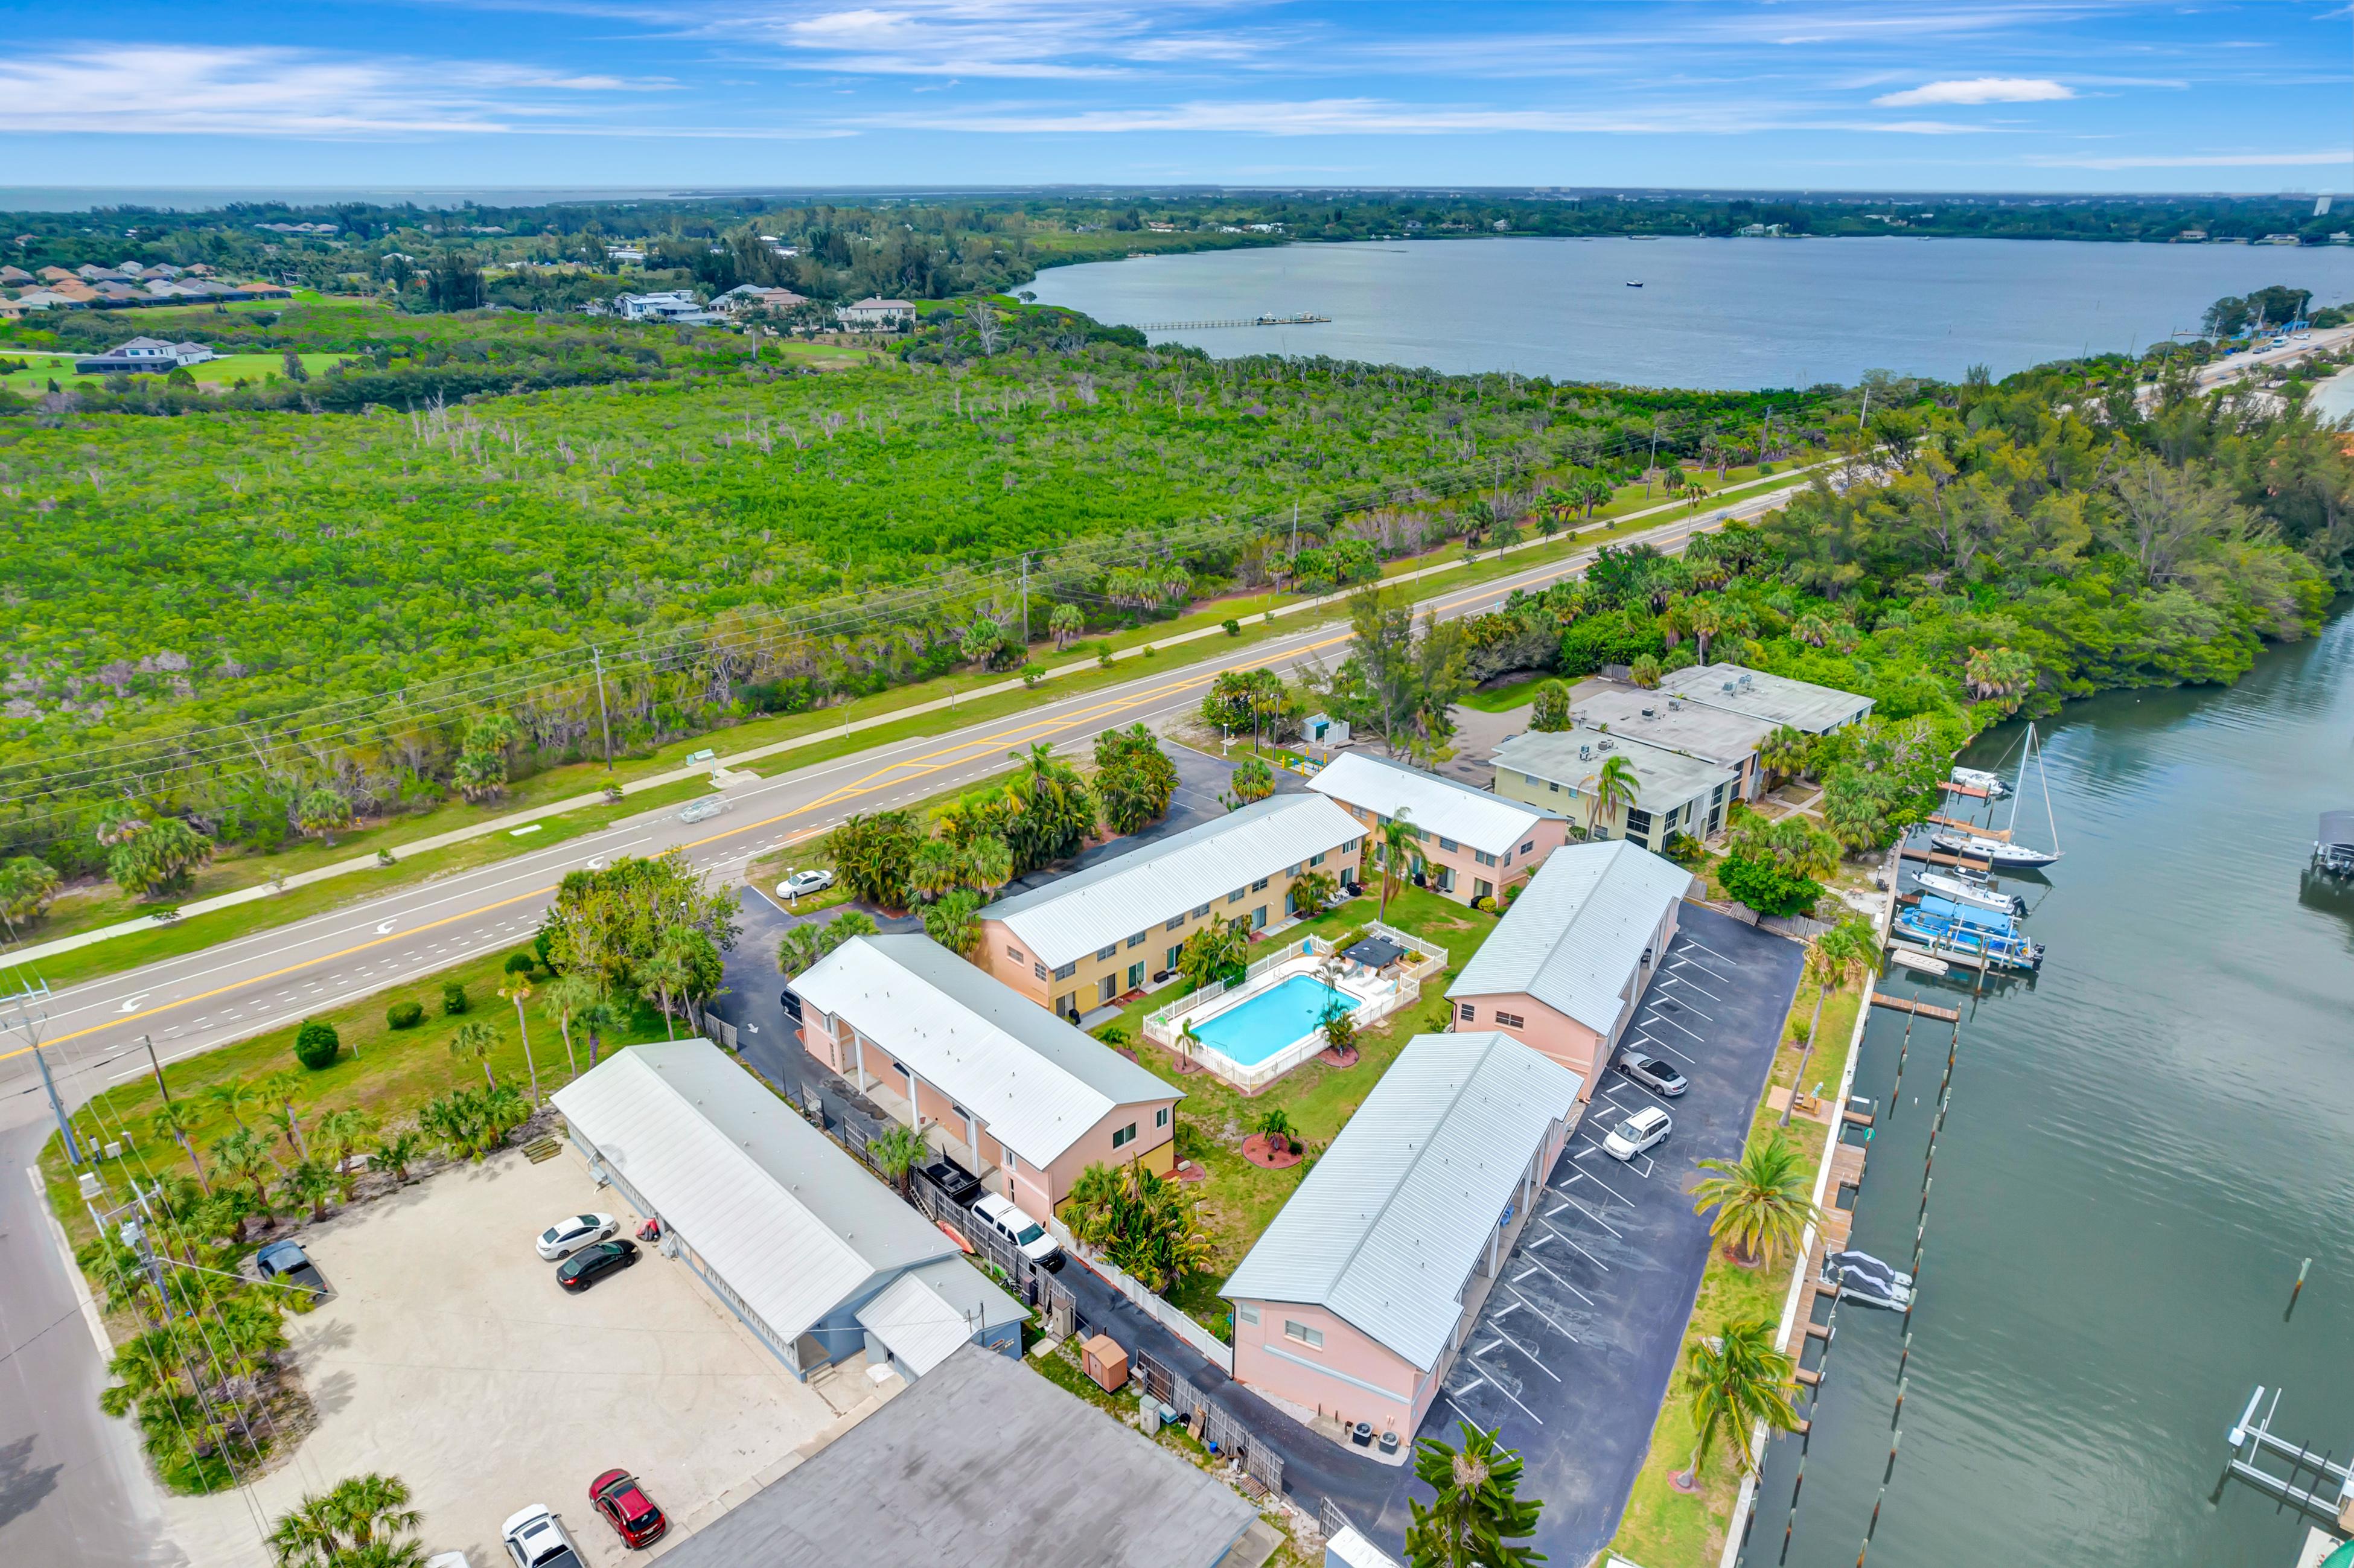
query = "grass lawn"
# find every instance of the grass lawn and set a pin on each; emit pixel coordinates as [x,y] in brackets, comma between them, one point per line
[1240,1199]
[1512,695]
[1664,1527]
[388,1072]
[225,371]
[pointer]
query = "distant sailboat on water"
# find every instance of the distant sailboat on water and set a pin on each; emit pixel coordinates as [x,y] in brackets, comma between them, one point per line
[2005,852]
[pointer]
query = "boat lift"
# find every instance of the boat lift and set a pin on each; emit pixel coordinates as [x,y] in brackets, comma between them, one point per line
[2327,1497]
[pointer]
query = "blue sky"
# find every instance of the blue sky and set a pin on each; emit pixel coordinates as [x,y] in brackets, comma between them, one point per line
[1820,94]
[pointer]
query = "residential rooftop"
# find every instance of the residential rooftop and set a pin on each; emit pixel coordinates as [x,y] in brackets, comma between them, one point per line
[1658,718]
[1574,757]
[1437,805]
[982,1464]
[1040,1084]
[1779,698]
[1072,916]
[1575,936]
[1386,1228]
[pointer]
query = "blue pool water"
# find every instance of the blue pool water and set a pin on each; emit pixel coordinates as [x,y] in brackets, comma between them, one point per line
[1250,1033]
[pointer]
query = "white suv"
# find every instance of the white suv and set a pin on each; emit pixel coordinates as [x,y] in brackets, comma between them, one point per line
[1000,1215]
[535,1540]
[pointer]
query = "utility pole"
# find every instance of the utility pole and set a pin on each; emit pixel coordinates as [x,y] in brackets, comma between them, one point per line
[1026,604]
[25,1013]
[1295,528]
[603,719]
[161,1088]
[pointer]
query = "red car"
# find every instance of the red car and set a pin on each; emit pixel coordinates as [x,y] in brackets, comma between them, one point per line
[625,1506]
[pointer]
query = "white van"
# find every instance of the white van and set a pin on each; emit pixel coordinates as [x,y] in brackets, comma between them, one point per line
[1000,1215]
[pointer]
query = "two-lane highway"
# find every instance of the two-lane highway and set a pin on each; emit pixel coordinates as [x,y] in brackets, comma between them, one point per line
[236,988]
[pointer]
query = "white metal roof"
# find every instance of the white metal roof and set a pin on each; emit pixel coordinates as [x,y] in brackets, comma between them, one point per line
[925,1313]
[1435,805]
[1780,698]
[1664,719]
[1664,778]
[1040,1084]
[1388,1226]
[1575,934]
[794,1225]
[1075,914]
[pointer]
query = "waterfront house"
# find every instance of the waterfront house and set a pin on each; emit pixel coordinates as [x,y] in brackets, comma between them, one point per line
[1472,843]
[1566,965]
[1778,699]
[1354,1302]
[1674,793]
[1085,940]
[873,315]
[1016,1096]
[813,1255]
[1723,736]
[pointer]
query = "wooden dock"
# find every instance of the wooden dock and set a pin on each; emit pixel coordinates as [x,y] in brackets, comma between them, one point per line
[2000,835]
[1922,1009]
[1939,857]
[1831,1237]
[1971,790]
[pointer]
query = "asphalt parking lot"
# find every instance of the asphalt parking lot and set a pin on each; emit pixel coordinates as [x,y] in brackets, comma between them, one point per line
[1572,1354]
[450,1357]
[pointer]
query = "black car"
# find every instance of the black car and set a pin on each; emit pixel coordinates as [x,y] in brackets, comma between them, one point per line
[1652,1073]
[592,1263]
[954,1180]
[283,1263]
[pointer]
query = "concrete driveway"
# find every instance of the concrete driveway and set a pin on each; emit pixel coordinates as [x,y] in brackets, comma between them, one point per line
[1572,1354]
[450,1357]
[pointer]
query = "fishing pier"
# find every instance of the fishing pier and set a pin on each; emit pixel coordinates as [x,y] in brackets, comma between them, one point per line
[1304,318]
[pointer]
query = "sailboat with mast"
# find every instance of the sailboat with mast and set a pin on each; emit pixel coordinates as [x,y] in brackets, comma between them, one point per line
[2004,853]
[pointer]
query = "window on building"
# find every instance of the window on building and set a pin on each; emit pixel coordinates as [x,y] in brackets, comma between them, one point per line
[1534,782]
[1317,859]
[1483,857]
[1013,953]
[1511,1019]
[1312,1337]
[1173,921]
[1470,1013]
[1639,823]
[1528,848]
[1447,844]
[1161,1116]
[1260,886]
[1235,897]
[1108,950]
[1168,959]
[1205,909]
[1508,857]
[1258,918]
[1137,940]
[1247,1310]
[1123,1135]
[1038,970]
[1067,971]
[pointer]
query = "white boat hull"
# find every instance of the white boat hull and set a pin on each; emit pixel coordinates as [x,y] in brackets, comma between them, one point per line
[1971,894]
[1994,850]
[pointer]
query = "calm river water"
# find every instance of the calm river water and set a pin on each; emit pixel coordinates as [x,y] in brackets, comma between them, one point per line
[2140,1149]
[1712,313]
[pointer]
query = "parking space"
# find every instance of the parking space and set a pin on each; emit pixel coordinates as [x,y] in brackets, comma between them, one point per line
[1571,1353]
[450,1357]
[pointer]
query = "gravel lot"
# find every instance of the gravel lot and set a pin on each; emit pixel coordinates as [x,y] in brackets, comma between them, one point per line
[450,1357]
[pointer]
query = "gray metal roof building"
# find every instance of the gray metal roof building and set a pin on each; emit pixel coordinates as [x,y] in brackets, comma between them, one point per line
[1659,718]
[1572,758]
[1778,699]
[791,1233]
[1075,914]
[1575,937]
[983,1464]
[1389,1225]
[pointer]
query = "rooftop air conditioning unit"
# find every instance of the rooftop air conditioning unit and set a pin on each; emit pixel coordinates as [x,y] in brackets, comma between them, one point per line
[1746,682]
[1728,688]
[1674,706]
[1585,754]
[1650,713]
[1606,744]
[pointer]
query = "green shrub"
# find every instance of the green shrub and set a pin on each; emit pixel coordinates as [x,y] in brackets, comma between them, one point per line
[521,963]
[405,1014]
[316,1044]
[454,999]
[1234,628]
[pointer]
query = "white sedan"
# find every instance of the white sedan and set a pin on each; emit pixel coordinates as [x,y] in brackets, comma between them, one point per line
[1647,1129]
[534,1539]
[569,1235]
[801,883]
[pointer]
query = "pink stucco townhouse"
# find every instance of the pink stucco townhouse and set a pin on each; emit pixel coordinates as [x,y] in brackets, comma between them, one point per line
[1472,844]
[1565,968]
[1355,1302]
[1017,1096]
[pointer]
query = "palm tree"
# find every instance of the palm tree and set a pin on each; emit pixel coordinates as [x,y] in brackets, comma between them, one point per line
[987,863]
[343,1134]
[1253,780]
[1592,492]
[1705,620]
[1064,623]
[934,868]
[372,1503]
[664,975]
[519,993]
[800,949]
[308,1182]
[1840,957]
[898,1150]
[598,1017]
[241,1156]
[1398,839]
[474,1039]
[1739,1380]
[1616,786]
[1784,753]
[309,1535]
[278,1089]
[563,1002]
[1761,1200]
[396,1153]
[1476,1510]
[173,1120]
[952,924]
[233,1097]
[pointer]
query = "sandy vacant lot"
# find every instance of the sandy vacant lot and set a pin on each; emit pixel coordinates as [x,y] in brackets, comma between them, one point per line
[450,1357]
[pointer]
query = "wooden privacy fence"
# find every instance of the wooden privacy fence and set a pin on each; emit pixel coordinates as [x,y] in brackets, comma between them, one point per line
[1213,1423]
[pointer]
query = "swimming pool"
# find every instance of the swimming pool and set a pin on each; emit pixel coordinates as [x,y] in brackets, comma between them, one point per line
[1250,1031]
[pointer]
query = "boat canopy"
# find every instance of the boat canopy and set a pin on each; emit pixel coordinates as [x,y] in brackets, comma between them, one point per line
[2337,829]
[1970,915]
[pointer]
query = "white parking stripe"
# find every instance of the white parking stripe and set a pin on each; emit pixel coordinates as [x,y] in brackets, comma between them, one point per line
[1536,1263]
[1590,1214]
[1712,953]
[1567,1242]
[1558,1329]
[1671,1023]
[1498,1331]
[1686,1006]
[1589,1176]
[1507,1392]
[1679,979]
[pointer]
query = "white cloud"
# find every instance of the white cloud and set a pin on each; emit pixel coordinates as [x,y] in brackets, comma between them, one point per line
[1979,89]
[2197,160]
[1371,116]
